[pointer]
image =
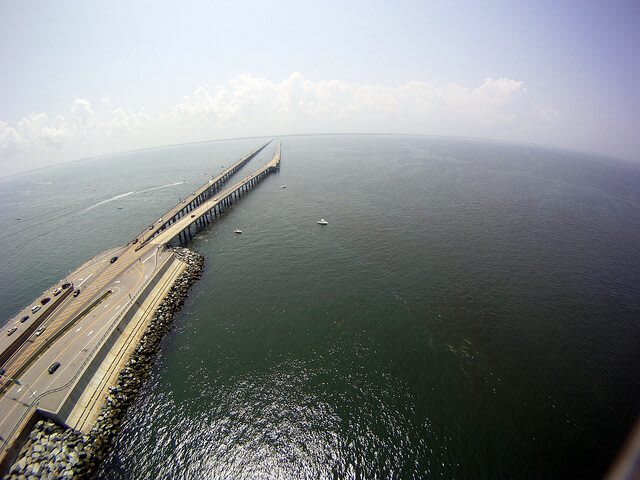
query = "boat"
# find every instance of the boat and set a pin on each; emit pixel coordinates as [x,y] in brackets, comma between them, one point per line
[322,221]
[237,230]
[283,186]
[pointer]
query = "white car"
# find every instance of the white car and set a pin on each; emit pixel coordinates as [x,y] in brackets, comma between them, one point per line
[56,292]
[39,331]
[35,308]
[12,331]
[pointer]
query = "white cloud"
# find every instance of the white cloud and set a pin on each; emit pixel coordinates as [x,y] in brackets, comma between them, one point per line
[299,105]
[128,120]
[10,140]
[82,113]
[40,131]
[249,105]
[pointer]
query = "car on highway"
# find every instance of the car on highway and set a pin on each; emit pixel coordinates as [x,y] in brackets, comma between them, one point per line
[66,285]
[57,292]
[35,308]
[39,331]
[24,319]
[77,292]
[12,331]
[135,241]
[53,367]
[113,259]
[45,300]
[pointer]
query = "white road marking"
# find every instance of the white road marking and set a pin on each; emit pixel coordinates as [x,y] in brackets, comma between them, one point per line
[80,284]
[148,257]
[89,333]
[78,329]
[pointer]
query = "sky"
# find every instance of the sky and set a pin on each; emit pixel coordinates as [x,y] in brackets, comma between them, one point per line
[87,78]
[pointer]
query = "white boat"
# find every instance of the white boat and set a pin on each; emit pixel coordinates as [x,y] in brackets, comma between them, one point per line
[283,186]
[237,230]
[322,221]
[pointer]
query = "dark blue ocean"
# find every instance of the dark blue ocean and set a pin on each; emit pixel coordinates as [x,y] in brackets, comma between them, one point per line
[472,310]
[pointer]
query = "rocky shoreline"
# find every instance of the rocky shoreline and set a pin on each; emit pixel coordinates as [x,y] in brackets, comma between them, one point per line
[52,451]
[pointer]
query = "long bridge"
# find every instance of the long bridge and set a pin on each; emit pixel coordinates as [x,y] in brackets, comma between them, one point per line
[203,193]
[94,318]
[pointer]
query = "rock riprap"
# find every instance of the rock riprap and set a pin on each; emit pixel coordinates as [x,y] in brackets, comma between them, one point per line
[52,452]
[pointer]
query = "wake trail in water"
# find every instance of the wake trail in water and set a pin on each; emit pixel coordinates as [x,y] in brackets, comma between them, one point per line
[150,189]
[117,197]
[50,220]
[122,195]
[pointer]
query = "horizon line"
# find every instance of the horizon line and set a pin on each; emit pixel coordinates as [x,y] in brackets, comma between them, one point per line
[273,137]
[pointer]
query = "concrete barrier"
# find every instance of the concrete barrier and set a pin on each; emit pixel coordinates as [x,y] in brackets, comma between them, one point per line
[82,380]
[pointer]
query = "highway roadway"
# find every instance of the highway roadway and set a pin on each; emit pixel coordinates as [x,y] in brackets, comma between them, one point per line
[78,279]
[36,384]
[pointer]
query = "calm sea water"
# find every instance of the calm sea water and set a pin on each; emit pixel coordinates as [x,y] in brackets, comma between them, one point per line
[472,310]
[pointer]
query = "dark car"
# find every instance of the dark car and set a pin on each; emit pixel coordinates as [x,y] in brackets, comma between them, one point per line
[135,241]
[45,300]
[77,292]
[24,319]
[66,285]
[54,366]
[113,259]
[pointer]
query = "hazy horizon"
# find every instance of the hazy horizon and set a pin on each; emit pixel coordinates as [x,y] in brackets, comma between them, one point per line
[88,79]
[479,140]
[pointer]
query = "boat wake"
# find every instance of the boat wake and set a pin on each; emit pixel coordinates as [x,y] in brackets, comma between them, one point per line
[151,189]
[108,200]
[122,195]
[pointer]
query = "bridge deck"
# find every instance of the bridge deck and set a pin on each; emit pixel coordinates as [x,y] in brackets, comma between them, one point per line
[185,222]
[214,184]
